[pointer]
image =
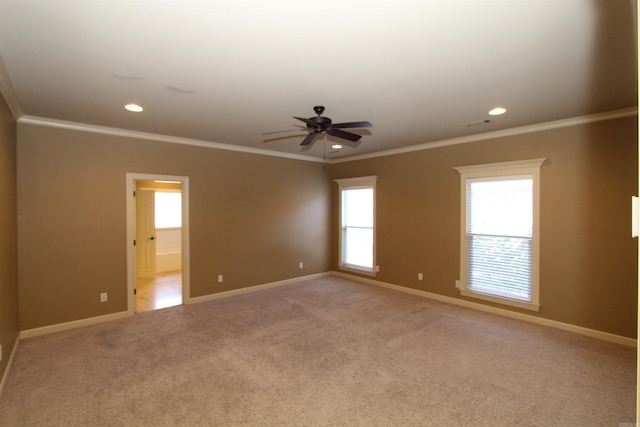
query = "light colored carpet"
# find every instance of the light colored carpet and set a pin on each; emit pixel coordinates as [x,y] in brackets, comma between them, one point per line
[323,352]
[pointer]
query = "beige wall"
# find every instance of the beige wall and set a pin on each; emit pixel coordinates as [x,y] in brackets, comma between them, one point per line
[8,236]
[253,218]
[588,273]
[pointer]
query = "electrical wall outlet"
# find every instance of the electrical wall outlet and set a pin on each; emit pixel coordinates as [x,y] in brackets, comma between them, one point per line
[103,297]
[419,276]
[377,269]
[458,284]
[301,265]
[220,278]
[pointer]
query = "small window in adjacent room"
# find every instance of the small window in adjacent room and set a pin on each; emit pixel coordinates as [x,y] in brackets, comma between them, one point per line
[168,207]
[499,236]
[357,224]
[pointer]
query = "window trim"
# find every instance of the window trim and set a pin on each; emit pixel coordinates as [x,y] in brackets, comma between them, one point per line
[497,170]
[351,184]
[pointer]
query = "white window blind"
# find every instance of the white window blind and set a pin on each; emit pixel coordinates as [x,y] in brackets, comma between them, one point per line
[500,236]
[357,227]
[500,232]
[357,250]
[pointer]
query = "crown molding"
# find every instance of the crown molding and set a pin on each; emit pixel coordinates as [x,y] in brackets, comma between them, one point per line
[82,127]
[104,130]
[9,95]
[575,121]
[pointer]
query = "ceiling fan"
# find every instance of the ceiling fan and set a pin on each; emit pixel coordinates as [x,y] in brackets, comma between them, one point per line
[319,124]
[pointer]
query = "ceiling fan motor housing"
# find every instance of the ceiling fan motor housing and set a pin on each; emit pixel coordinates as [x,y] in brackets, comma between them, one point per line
[319,122]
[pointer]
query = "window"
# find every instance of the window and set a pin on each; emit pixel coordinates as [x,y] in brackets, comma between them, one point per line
[499,236]
[357,224]
[168,206]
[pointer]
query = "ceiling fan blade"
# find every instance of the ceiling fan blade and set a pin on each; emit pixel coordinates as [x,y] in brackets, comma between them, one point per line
[343,134]
[310,138]
[352,125]
[310,123]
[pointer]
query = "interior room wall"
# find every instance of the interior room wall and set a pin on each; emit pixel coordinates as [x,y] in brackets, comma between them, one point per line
[588,265]
[253,219]
[8,235]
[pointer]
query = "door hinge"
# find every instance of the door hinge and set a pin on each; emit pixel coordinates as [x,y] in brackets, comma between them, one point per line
[135,291]
[134,193]
[134,243]
[635,210]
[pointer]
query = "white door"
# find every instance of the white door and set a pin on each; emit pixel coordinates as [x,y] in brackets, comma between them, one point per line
[145,234]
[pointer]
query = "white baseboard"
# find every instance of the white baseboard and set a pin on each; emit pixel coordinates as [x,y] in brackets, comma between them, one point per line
[6,371]
[168,261]
[30,333]
[256,288]
[606,336]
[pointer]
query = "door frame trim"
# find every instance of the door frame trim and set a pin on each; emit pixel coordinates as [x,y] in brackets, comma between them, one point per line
[131,179]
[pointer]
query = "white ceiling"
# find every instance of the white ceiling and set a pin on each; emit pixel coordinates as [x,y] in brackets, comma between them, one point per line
[226,71]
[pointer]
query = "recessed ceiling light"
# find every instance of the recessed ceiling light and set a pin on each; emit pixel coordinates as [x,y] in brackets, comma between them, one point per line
[134,107]
[336,146]
[497,111]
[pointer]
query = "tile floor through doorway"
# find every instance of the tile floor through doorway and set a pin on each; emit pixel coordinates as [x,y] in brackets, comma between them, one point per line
[165,290]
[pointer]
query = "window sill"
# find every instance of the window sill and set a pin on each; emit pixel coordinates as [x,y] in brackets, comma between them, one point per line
[365,271]
[501,300]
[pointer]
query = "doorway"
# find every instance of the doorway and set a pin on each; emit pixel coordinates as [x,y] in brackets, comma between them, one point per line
[157,244]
